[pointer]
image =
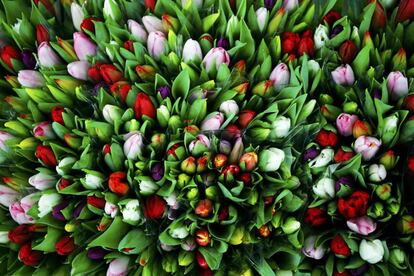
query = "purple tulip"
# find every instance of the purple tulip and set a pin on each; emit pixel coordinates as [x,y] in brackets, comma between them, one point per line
[362,225]
[376,93]
[95,89]
[269,4]
[28,59]
[96,253]
[215,57]
[343,75]
[157,171]
[157,44]
[78,209]
[336,31]
[165,91]
[83,46]
[30,78]
[57,211]
[47,56]
[345,122]
[79,69]
[223,43]
[359,271]
[343,181]
[310,154]
[397,85]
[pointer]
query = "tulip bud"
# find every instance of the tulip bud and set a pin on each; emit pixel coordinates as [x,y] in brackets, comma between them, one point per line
[361,128]
[176,152]
[42,34]
[280,128]
[145,72]
[377,173]
[345,122]
[405,11]
[398,258]
[79,69]
[229,107]
[109,73]
[93,180]
[367,146]
[371,251]
[399,61]
[245,117]
[46,155]
[271,159]
[311,251]
[192,51]
[112,10]
[152,24]
[157,44]
[324,188]
[188,165]
[262,15]
[134,145]
[321,36]
[202,237]
[362,225]
[348,51]
[248,161]
[290,5]
[7,196]
[204,208]
[343,75]
[199,146]
[47,56]
[77,15]
[144,107]
[214,58]
[323,159]
[397,85]
[379,18]
[383,191]
[112,113]
[83,46]
[30,79]
[65,165]
[10,56]
[212,121]
[137,31]
[390,128]
[330,112]
[47,202]
[305,45]
[280,76]
[118,267]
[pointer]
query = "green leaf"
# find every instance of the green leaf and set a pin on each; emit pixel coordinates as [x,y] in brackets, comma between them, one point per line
[134,242]
[51,237]
[367,17]
[112,236]
[181,85]
[212,256]
[82,265]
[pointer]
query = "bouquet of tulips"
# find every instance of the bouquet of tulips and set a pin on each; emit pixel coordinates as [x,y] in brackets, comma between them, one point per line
[206,137]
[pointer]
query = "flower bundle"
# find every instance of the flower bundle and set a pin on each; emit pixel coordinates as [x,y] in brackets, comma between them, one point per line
[206,137]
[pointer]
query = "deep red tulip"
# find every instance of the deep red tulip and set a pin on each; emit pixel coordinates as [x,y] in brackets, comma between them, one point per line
[56,114]
[331,17]
[96,202]
[290,42]
[144,106]
[305,45]
[28,256]
[63,183]
[87,24]
[42,34]
[202,237]
[326,138]
[379,18]
[316,216]
[20,235]
[46,155]
[129,45]
[343,156]
[409,103]
[411,164]
[405,11]
[339,246]
[8,53]
[110,73]
[154,207]
[118,183]
[201,261]
[150,4]
[348,51]
[65,246]
[94,73]
[245,117]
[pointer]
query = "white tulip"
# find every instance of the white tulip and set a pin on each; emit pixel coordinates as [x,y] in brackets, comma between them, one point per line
[324,188]
[371,251]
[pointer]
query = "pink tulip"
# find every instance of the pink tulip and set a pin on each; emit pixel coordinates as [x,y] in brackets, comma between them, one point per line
[44,130]
[362,225]
[157,44]
[83,46]
[18,210]
[47,56]
[280,76]
[397,85]
[343,75]
[118,267]
[152,24]
[4,137]
[345,122]
[42,181]
[30,78]
[212,122]
[7,195]
[79,69]
[289,5]
[367,146]
[137,31]
[215,57]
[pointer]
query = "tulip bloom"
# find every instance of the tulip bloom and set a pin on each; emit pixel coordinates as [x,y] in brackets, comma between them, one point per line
[47,56]
[202,237]
[215,57]
[137,31]
[42,181]
[65,246]
[204,208]
[405,11]
[28,256]
[280,127]
[379,18]
[144,106]
[152,24]
[88,24]
[20,235]
[9,53]
[18,210]
[367,146]
[79,69]
[339,246]
[280,76]
[290,42]
[83,46]
[7,195]
[134,145]
[348,51]
[262,15]
[321,36]
[212,122]
[117,183]
[47,202]
[344,123]
[245,117]
[371,251]
[397,85]
[118,267]
[324,188]
[377,172]
[248,161]
[30,78]
[271,159]
[311,251]
[362,225]
[290,5]
[46,155]
[343,75]
[154,207]
[56,114]
[157,44]
[42,34]
[305,45]
[192,51]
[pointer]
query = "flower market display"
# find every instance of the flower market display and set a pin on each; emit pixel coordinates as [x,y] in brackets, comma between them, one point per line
[215,137]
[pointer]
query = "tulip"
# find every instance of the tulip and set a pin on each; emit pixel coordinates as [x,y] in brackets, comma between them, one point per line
[405,11]
[42,34]
[164,91]
[229,107]
[83,46]
[323,159]
[397,85]
[152,24]
[77,15]
[95,202]
[280,127]
[290,5]
[47,202]
[311,153]
[96,253]
[47,56]
[280,76]
[7,196]
[344,123]
[200,145]
[271,159]
[112,10]
[8,54]
[324,188]
[237,151]
[398,258]
[137,31]
[118,267]
[157,171]
[388,160]
[154,207]
[204,208]
[147,186]
[371,251]
[131,212]
[28,59]
[367,146]
[157,44]
[19,235]
[202,237]
[163,116]
[110,73]
[379,18]
[399,60]
[212,121]
[411,164]
[343,75]
[362,225]
[112,113]
[344,181]
[248,161]
[262,15]
[118,184]
[225,147]
[321,36]
[245,117]
[43,180]
[144,107]
[215,57]
[361,128]
[111,209]
[305,45]
[28,256]
[134,145]
[348,51]
[93,180]
[30,78]
[79,69]
[311,251]
[46,155]
[377,173]
[65,246]
[192,51]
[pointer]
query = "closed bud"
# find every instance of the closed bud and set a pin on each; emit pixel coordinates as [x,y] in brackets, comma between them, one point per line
[163,115]
[188,165]
[112,113]
[112,10]
[204,208]
[30,78]
[399,61]
[377,173]
[83,46]
[361,128]
[192,51]
[280,76]
[214,58]
[202,237]
[145,72]
[77,15]
[248,161]
[397,85]
[47,56]
[169,23]
[157,44]
[343,75]
[348,51]
[263,88]
[152,24]
[79,69]
[137,31]
[262,15]
[321,36]
[388,159]
[383,191]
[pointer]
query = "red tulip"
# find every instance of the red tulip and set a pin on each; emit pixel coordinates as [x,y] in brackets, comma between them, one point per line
[326,138]
[342,156]
[305,45]
[63,183]
[94,72]
[223,213]
[290,42]
[87,24]
[150,4]
[379,18]
[110,73]
[339,246]
[20,235]
[118,183]
[96,202]
[144,106]
[409,103]
[348,51]
[411,164]
[405,11]
[202,237]
[129,45]
[232,131]
[154,207]
[46,155]
[56,114]
[245,117]
[331,17]
[201,261]
[220,160]
[246,178]
[204,208]
[65,246]
[9,53]
[42,34]
[28,256]
[47,4]
[264,231]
